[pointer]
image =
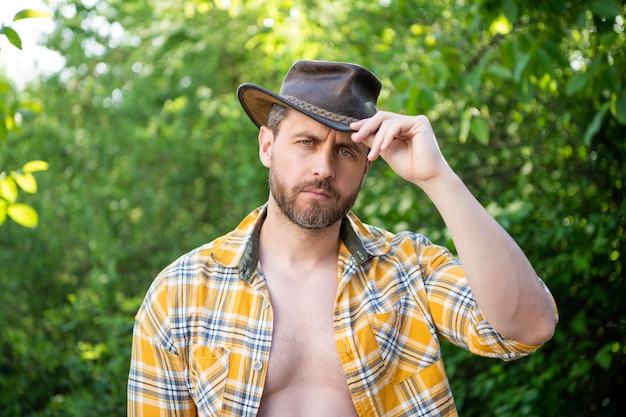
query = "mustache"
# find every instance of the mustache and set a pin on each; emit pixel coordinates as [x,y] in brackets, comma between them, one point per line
[318,184]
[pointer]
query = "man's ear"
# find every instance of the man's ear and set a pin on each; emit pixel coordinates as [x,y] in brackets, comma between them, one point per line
[266,140]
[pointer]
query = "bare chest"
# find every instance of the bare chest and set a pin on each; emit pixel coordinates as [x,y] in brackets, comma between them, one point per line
[304,362]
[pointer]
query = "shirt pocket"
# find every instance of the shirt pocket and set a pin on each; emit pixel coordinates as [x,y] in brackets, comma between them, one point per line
[406,339]
[209,372]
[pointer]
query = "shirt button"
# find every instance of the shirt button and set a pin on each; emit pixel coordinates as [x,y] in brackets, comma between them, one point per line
[257,365]
[266,304]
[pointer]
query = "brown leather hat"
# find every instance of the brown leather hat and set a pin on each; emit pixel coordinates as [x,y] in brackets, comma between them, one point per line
[333,93]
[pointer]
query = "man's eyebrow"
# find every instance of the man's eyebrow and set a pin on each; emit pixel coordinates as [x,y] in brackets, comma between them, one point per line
[348,144]
[307,135]
[356,147]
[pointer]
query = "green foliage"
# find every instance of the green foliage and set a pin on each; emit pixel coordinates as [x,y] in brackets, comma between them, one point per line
[11,108]
[151,155]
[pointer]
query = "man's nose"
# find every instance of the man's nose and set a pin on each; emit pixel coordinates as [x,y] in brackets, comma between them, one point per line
[324,164]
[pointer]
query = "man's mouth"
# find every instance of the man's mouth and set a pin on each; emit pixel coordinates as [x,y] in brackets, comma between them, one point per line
[319,191]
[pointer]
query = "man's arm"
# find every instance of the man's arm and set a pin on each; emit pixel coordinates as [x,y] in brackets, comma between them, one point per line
[504,283]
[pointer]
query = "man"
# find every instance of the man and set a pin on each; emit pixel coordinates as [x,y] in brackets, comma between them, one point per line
[303,310]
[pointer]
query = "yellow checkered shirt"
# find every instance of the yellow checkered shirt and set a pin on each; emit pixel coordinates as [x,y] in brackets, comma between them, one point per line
[202,336]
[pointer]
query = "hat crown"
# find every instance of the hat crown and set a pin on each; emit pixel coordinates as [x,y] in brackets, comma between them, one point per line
[333,93]
[344,89]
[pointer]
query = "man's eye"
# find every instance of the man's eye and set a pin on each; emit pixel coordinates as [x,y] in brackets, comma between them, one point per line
[345,152]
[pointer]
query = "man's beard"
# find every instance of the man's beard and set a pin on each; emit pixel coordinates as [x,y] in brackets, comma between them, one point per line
[319,215]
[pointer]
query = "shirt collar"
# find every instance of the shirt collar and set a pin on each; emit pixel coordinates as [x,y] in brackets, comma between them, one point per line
[241,246]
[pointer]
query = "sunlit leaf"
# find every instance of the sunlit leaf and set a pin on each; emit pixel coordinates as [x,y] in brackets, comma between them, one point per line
[35,166]
[12,36]
[23,214]
[8,189]
[29,13]
[620,108]
[26,182]
[464,130]
[33,106]
[3,211]
[9,122]
[500,26]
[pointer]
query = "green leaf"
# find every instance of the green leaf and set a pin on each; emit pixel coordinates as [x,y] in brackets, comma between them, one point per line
[474,78]
[500,71]
[23,214]
[12,36]
[3,130]
[604,356]
[605,8]
[576,83]
[510,9]
[27,182]
[8,189]
[480,130]
[546,61]
[579,323]
[620,108]
[580,367]
[35,166]
[30,13]
[520,65]
[521,58]
[427,100]
[5,87]
[596,123]
[555,53]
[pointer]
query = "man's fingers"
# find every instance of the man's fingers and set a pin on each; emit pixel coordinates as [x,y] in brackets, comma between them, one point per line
[377,132]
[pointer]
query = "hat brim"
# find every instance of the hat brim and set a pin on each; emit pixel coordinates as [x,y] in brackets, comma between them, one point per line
[258,101]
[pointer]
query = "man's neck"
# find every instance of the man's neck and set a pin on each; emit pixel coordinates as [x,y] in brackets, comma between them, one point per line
[295,246]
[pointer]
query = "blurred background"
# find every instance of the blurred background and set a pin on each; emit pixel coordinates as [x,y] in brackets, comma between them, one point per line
[123,145]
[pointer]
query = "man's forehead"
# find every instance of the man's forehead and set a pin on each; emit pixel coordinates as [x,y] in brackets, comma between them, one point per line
[299,122]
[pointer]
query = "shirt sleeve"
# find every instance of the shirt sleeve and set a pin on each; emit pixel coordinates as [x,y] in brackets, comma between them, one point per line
[158,378]
[455,312]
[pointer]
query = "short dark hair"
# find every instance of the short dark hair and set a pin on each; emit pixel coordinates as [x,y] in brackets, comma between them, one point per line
[276,117]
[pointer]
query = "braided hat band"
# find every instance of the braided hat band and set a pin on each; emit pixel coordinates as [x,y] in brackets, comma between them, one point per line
[346,120]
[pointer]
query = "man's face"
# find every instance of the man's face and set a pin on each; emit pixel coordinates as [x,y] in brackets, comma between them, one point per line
[315,172]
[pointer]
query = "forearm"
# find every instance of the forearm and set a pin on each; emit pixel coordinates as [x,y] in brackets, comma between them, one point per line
[502,279]
[504,283]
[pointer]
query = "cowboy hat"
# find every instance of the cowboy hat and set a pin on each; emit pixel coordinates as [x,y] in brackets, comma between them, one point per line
[333,93]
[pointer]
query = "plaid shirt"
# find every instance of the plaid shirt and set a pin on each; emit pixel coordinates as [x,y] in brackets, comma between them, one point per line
[202,336]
